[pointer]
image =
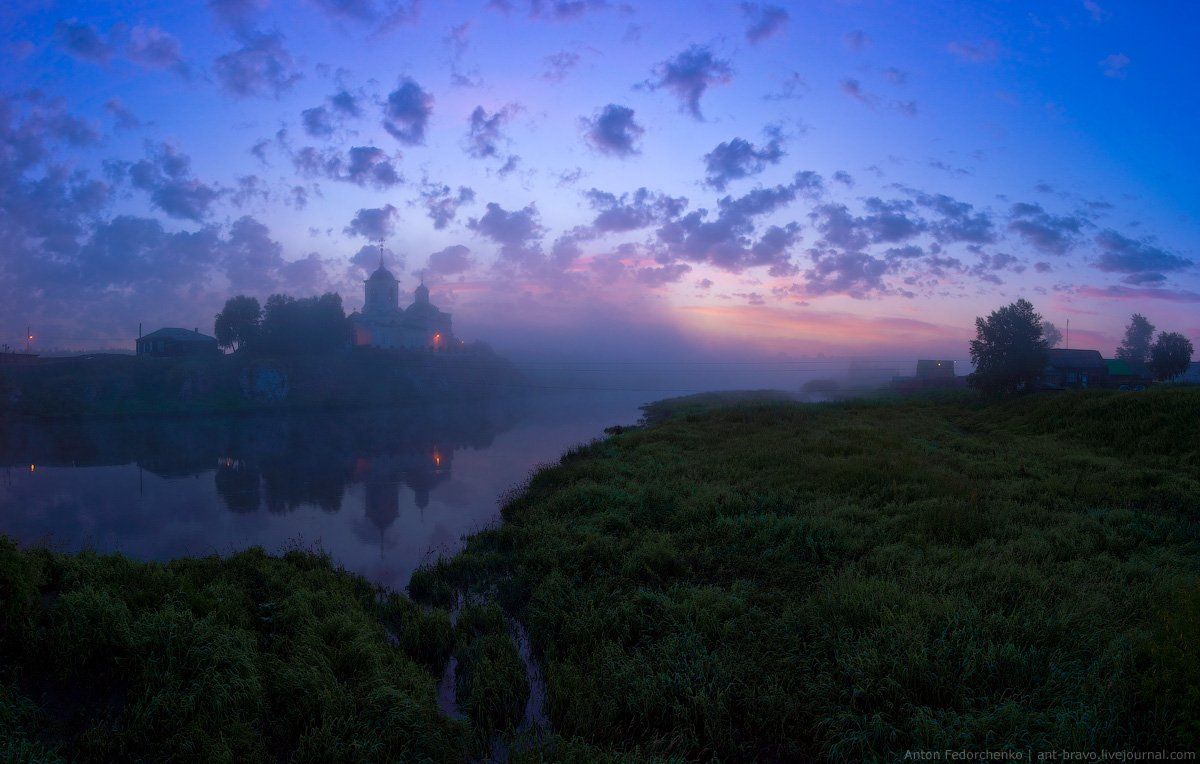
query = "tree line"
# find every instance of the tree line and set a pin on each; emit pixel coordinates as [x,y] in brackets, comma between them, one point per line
[285,326]
[1011,346]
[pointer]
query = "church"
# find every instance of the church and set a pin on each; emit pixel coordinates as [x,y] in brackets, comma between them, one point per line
[384,324]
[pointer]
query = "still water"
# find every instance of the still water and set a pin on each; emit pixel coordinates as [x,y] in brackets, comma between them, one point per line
[382,491]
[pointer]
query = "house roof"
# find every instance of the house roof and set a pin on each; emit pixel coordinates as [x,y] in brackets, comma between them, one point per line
[1075,359]
[1118,367]
[177,334]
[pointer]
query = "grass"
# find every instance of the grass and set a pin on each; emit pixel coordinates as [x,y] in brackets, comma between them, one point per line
[771,580]
[744,578]
[250,658]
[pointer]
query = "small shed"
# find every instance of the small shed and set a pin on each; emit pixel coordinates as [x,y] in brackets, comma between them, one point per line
[171,342]
[1121,373]
[1075,368]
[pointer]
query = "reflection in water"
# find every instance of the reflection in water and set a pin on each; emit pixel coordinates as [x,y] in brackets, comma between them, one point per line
[380,490]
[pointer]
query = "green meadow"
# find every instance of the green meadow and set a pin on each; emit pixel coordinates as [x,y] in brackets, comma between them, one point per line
[740,579]
[772,580]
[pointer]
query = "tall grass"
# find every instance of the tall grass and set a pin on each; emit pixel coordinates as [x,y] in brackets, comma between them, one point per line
[770,580]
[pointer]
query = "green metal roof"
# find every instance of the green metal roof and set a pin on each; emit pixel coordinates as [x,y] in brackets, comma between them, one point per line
[1118,368]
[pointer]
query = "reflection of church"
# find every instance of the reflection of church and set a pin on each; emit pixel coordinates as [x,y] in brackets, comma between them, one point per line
[382,478]
[384,324]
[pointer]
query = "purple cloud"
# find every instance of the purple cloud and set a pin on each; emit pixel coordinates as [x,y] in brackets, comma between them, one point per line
[690,74]
[261,67]
[361,165]
[82,41]
[373,223]
[483,131]
[627,212]
[559,65]
[614,131]
[452,260]
[737,159]
[407,111]
[153,48]
[517,232]
[1144,262]
[1052,234]
[166,176]
[764,20]
[441,204]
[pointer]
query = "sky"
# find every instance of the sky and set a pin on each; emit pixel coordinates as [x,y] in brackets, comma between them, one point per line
[593,179]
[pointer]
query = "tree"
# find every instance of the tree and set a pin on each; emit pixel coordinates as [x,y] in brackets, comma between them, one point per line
[1135,348]
[1009,351]
[1051,334]
[293,326]
[238,322]
[1170,355]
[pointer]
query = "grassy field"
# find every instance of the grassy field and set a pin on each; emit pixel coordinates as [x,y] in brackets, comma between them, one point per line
[782,581]
[738,580]
[251,658]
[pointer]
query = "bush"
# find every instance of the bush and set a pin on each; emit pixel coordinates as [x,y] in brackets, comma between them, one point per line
[247,658]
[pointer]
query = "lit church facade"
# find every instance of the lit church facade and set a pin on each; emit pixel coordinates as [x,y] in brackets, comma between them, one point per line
[384,324]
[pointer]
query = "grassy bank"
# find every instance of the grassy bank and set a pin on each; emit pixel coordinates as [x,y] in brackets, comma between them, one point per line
[246,659]
[782,581]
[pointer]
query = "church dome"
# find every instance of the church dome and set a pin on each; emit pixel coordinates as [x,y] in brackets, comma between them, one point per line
[381,274]
[421,294]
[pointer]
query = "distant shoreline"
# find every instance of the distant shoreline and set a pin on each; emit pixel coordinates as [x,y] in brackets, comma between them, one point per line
[117,386]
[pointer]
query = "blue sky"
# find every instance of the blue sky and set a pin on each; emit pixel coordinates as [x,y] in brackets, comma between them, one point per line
[575,177]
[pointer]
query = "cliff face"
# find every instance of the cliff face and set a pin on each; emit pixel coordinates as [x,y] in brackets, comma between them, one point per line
[117,385]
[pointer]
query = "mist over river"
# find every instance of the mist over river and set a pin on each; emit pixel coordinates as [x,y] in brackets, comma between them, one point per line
[382,491]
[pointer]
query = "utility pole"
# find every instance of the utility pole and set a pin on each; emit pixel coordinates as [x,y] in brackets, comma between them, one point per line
[1067,335]
[28,338]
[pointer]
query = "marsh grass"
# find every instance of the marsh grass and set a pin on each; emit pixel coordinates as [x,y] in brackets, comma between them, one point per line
[247,658]
[491,683]
[770,580]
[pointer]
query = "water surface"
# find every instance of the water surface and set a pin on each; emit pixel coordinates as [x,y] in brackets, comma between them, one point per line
[382,491]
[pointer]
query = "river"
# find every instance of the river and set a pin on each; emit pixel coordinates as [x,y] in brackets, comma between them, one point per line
[381,491]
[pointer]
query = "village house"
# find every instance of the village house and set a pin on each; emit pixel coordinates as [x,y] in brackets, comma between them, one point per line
[171,342]
[930,374]
[382,323]
[1075,368]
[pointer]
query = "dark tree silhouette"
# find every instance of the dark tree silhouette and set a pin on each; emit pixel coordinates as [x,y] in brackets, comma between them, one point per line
[307,325]
[1051,334]
[1008,351]
[1170,355]
[1135,348]
[236,326]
